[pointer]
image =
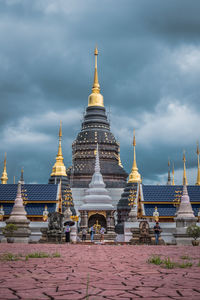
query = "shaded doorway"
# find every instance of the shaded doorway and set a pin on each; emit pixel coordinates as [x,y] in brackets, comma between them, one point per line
[97,217]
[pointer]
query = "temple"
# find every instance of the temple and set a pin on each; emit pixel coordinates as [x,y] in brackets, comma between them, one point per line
[96,129]
[96,184]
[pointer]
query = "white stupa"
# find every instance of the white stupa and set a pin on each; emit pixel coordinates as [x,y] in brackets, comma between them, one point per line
[97,196]
[18,217]
[185,217]
[185,208]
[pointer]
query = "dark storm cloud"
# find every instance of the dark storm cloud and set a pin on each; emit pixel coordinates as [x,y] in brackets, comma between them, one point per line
[149,59]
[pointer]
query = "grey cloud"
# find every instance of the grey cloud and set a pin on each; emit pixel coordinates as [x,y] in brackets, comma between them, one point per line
[46,65]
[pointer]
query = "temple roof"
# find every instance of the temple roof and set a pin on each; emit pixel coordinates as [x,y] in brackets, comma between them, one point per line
[32,209]
[166,193]
[34,192]
[165,210]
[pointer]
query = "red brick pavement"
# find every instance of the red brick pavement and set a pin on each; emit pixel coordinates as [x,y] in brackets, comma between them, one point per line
[114,272]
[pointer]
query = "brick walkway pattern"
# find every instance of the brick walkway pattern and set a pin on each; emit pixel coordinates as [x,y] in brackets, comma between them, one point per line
[110,271]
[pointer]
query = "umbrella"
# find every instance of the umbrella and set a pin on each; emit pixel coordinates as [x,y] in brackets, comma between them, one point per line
[70,223]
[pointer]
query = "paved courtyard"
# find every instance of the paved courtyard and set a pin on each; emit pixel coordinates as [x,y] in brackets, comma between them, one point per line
[98,272]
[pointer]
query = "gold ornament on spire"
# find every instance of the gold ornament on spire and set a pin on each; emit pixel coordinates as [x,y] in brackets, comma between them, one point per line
[95,98]
[59,168]
[198,170]
[134,175]
[173,175]
[184,170]
[4,177]
[119,158]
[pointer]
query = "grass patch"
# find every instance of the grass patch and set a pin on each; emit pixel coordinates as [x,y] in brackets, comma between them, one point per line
[185,265]
[56,254]
[42,255]
[155,259]
[10,256]
[13,257]
[37,255]
[168,263]
[185,257]
[87,287]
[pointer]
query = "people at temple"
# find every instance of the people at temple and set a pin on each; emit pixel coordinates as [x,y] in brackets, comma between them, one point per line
[84,233]
[67,233]
[157,231]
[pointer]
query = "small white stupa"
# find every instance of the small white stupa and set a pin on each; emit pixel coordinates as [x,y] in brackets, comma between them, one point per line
[19,218]
[97,196]
[185,208]
[185,217]
[97,209]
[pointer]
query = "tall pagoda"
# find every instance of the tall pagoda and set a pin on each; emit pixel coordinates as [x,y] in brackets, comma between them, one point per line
[96,130]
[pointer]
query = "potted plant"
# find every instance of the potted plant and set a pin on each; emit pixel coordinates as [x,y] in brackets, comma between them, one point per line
[8,231]
[194,232]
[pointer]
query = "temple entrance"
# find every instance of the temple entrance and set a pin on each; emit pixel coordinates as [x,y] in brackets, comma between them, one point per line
[97,219]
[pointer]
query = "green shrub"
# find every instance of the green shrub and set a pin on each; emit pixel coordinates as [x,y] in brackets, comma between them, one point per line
[193,231]
[9,229]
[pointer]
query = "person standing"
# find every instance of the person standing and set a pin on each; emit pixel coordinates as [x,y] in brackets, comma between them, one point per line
[67,233]
[84,232]
[102,231]
[92,233]
[157,231]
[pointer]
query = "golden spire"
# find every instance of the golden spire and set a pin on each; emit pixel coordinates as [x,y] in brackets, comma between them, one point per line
[134,175]
[59,168]
[95,98]
[184,170]
[198,171]
[4,177]
[173,175]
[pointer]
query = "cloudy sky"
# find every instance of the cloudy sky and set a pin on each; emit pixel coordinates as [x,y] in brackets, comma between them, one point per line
[149,70]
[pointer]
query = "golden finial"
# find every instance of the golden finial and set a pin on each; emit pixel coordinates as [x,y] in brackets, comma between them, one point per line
[134,140]
[13,179]
[59,168]
[95,99]
[60,129]
[173,175]
[198,170]
[4,177]
[184,170]
[134,175]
